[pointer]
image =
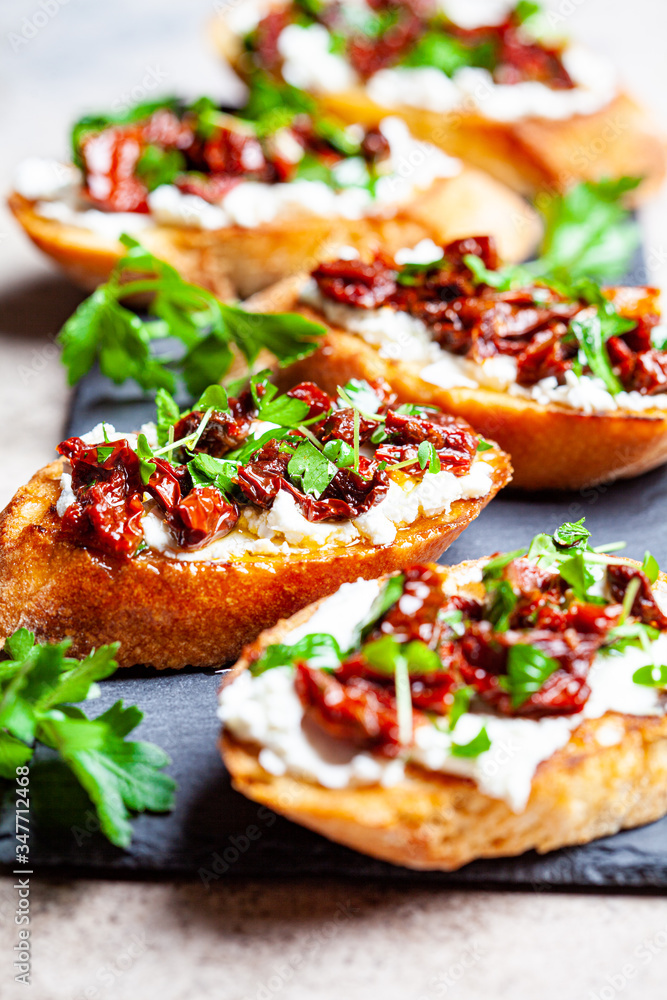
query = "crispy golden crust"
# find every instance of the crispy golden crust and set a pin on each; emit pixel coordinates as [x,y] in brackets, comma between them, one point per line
[529,155]
[168,613]
[236,262]
[435,821]
[552,447]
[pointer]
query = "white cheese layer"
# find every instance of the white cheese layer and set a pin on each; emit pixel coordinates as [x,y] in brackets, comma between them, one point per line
[266,710]
[401,337]
[413,166]
[284,528]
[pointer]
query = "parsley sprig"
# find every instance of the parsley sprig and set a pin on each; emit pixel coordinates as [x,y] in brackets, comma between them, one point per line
[105,331]
[40,688]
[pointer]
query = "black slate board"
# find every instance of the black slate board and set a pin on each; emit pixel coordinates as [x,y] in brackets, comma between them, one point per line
[215,833]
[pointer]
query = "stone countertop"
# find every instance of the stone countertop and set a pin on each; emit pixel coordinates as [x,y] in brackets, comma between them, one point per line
[116,940]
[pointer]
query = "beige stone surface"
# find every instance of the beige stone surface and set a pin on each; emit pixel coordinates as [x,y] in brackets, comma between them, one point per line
[128,940]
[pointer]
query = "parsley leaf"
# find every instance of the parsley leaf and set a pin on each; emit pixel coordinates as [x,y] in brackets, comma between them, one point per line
[478,745]
[340,453]
[383,653]
[158,166]
[588,331]
[588,231]
[650,567]
[145,454]
[318,650]
[38,687]
[168,414]
[310,469]
[460,704]
[571,533]
[494,567]
[390,593]
[104,330]
[448,54]
[527,670]
[427,455]
[208,471]
[503,603]
[651,676]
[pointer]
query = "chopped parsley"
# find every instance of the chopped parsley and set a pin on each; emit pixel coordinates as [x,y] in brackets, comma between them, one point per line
[527,670]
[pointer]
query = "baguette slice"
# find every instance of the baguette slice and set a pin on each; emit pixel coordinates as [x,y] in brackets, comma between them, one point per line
[552,447]
[235,262]
[170,613]
[529,155]
[431,820]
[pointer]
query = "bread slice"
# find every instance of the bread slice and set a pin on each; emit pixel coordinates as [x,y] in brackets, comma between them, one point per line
[431,820]
[171,613]
[235,262]
[552,447]
[529,155]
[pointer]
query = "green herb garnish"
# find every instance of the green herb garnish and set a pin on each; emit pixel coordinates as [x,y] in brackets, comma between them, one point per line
[39,688]
[104,330]
[319,650]
[478,745]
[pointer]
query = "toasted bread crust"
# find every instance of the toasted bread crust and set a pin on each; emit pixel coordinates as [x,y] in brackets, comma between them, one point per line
[529,155]
[552,447]
[584,791]
[236,262]
[168,613]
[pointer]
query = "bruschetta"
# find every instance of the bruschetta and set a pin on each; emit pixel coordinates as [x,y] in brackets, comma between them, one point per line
[451,713]
[185,541]
[571,381]
[236,202]
[489,82]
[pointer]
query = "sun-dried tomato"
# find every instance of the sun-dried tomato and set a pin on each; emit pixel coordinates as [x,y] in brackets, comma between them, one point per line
[319,402]
[340,426]
[267,33]
[516,58]
[358,711]
[223,431]
[416,614]
[232,153]
[454,441]
[355,283]
[110,159]
[201,517]
[645,606]
[369,54]
[107,511]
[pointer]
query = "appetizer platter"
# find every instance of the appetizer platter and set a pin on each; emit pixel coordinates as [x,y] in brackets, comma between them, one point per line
[495,82]
[238,200]
[215,833]
[365,462]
